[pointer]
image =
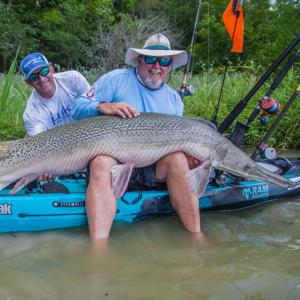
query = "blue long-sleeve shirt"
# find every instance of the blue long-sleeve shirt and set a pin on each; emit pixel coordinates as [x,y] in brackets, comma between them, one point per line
[122,85]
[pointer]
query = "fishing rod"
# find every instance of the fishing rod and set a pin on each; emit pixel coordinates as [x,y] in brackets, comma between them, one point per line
[267,105]
[242,104]
[184,89]
[236,11]
[263,148]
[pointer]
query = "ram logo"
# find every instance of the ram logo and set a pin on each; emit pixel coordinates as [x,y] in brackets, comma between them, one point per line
[256,192]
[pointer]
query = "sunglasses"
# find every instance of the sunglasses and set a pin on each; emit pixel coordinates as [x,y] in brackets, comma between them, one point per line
[163,61]
[35,76]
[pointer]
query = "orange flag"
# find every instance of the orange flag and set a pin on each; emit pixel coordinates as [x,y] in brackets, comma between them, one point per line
[233,19]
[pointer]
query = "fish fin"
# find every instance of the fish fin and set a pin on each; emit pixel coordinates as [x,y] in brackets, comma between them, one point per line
[120,178]
[4,185]
[5,148]
[22,182]
[198,178]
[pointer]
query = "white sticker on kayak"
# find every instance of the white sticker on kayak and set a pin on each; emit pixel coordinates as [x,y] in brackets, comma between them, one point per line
[296,179]
[5,209]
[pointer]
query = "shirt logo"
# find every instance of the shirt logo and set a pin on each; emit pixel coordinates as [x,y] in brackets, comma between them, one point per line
[90,94]
[61,115]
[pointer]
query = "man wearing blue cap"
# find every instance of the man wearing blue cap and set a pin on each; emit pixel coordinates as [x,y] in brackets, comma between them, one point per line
[53,95]
[125,93]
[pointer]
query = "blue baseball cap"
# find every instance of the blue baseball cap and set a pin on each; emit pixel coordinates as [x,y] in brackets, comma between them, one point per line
[32,62]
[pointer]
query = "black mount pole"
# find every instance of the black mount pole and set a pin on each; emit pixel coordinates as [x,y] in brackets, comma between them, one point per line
[240,130]
[242,104]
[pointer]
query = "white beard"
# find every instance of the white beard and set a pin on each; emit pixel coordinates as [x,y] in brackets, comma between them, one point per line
[153,84]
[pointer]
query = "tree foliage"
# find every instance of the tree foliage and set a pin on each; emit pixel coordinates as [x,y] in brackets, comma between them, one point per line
[109,45]
[75,33]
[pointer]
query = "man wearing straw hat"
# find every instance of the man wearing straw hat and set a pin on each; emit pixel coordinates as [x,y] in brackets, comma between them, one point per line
[126,92]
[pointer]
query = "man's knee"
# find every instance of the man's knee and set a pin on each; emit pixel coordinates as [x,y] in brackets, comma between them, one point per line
[173,162]
[173,158]
[101,166]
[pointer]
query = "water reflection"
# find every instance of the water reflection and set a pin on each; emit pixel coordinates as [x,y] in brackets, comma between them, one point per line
[251,254]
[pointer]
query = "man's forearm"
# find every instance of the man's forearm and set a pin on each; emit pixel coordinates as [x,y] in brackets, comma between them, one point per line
[84,108]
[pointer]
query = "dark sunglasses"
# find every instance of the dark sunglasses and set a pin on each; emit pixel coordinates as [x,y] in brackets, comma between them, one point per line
[163,61]
[35,76]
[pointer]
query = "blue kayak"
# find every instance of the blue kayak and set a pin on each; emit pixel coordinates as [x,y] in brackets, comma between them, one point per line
[61,204]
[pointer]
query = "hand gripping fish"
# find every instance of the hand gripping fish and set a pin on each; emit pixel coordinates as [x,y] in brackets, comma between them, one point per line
[135,142]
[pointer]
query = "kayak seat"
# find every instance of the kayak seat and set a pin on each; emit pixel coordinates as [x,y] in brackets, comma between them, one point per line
[283,163]
[53,187]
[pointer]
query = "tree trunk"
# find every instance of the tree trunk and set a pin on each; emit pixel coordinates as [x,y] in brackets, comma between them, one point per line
[3,65]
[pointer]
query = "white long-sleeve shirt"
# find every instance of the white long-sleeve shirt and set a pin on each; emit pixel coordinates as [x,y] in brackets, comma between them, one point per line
[42,114]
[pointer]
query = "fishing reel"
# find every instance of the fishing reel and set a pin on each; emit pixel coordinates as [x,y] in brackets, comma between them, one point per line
[267,152]
[268,106]
[184,91]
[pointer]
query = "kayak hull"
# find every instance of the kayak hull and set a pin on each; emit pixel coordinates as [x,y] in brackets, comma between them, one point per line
[34,210]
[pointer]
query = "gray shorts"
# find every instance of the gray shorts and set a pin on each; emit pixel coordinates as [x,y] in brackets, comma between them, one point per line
[144,177]
[141,178]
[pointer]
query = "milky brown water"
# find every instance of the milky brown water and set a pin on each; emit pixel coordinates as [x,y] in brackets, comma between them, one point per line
[250,254]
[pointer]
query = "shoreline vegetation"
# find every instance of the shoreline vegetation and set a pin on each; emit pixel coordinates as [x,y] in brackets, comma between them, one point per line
[82,35]
[202,104]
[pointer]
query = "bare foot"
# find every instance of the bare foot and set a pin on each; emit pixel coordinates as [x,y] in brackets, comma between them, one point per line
[200,239]
[99,247]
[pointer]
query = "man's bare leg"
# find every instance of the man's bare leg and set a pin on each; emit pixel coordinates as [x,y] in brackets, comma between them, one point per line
[174,167]
[101,202]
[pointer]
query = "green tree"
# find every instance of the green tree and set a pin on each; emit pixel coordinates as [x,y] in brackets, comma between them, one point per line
[13,33]
[66,30]
[269,28]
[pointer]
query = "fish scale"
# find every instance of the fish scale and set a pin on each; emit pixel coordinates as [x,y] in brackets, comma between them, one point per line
[138,141]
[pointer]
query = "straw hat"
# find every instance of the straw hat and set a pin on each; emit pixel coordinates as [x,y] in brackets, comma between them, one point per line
[156,45]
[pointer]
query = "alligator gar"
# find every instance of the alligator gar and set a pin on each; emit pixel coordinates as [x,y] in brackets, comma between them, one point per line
[134,142]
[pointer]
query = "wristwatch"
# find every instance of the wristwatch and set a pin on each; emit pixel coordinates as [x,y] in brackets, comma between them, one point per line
[98,108]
